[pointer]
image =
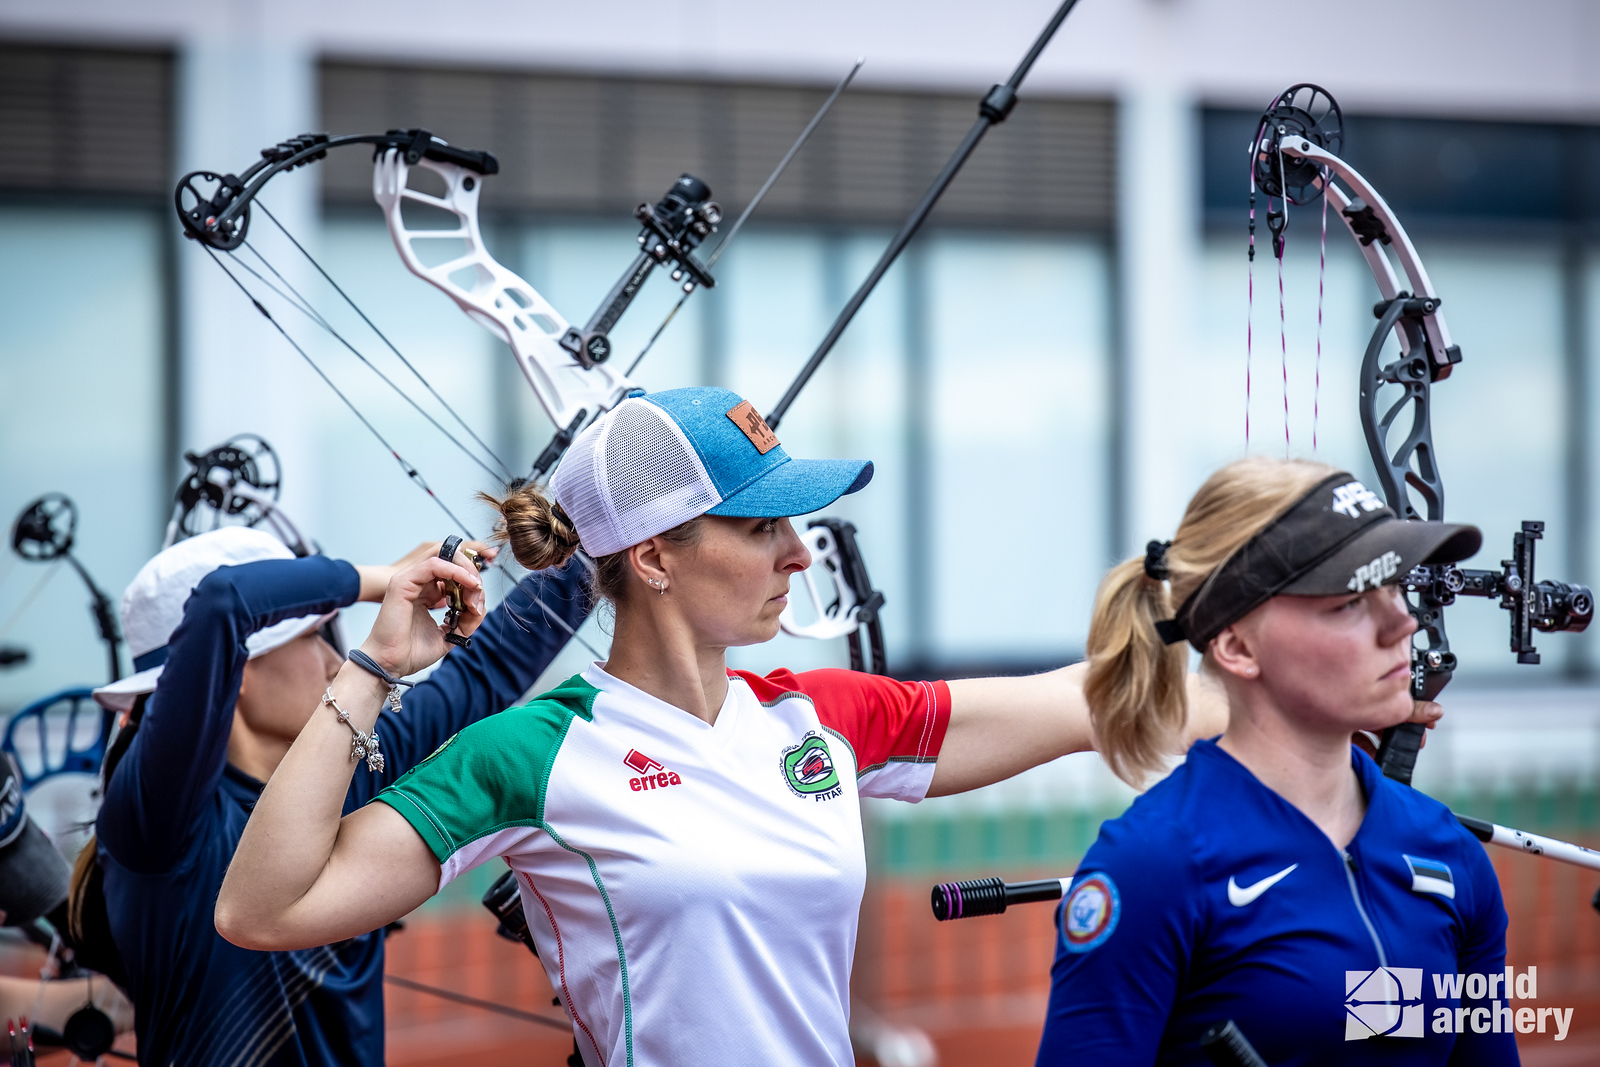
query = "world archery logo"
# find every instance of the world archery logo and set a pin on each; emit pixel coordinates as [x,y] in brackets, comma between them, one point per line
[1090,913]
[809,770]
[1386,1002]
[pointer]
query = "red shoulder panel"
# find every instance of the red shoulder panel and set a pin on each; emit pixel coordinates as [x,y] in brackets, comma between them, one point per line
[884,719]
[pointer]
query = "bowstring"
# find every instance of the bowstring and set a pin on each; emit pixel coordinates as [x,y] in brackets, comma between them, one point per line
[27,601]
[1322,270]
[302,305]
[1281,246]
[1250,300]
[411,472]
[384,338]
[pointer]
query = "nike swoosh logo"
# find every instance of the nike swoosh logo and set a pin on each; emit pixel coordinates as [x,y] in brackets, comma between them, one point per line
[1240,896]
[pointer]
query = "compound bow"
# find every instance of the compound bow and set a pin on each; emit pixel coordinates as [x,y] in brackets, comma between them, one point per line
[236,483]
[1294,160]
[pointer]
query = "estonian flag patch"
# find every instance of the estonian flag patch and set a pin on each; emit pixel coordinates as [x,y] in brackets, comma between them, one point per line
[1431,876]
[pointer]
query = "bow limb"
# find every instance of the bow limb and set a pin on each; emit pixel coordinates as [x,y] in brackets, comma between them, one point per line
[1371,223]
[490,293]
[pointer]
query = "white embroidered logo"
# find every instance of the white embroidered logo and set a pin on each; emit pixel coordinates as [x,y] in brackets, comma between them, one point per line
[1371,575]
[1347,498]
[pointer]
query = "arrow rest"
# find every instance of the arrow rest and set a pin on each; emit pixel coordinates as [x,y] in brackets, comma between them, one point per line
[673,229]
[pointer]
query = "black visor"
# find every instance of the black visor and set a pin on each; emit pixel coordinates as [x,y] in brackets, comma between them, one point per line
[1339,538]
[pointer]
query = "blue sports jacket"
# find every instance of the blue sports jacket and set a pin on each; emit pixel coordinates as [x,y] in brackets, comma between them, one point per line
[1213,898]
[174,811]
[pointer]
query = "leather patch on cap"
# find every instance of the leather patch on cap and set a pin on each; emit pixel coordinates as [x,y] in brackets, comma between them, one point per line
[747,418]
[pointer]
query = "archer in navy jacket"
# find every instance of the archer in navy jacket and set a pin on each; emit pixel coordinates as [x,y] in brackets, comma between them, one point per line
[174,811]
[1213,898]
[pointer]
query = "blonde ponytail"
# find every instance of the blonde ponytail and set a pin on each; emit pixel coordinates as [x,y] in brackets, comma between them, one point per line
[1136,688]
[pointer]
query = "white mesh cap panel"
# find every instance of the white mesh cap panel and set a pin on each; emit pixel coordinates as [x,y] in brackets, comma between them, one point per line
[631,475]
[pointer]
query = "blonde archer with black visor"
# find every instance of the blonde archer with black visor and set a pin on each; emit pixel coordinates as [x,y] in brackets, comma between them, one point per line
[687,839]
[1276,878]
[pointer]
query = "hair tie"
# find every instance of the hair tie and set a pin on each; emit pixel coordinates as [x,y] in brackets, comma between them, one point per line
[1155,561]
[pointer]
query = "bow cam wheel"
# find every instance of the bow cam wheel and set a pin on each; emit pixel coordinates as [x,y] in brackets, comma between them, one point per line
[46,528]
[209,488]
[198,211]
[1304,111]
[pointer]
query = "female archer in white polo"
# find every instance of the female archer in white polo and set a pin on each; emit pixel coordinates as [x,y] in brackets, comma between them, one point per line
[687,838]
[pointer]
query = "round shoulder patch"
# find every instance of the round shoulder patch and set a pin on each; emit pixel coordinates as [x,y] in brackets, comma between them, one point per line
[1090,913]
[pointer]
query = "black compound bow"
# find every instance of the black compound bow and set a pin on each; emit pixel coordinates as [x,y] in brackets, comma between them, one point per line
[1294,158]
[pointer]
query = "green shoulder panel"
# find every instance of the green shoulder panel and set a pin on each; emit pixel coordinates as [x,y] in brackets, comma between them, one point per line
[491,775]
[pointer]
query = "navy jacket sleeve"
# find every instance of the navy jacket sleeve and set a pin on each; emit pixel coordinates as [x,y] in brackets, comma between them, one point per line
[1124,935]
[176,759]
[509,651]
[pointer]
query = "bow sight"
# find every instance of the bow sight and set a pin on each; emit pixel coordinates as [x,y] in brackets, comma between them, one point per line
[1294,160]
[673,229]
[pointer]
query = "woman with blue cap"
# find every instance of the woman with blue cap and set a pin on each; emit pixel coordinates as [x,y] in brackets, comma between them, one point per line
[687,839]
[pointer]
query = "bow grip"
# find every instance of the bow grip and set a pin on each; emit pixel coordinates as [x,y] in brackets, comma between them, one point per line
[1397,755]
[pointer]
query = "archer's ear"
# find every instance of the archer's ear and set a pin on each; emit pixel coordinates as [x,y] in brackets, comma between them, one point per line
[1231,653]
[646,560]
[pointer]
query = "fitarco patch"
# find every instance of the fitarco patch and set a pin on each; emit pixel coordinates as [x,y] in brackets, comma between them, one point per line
[808,768]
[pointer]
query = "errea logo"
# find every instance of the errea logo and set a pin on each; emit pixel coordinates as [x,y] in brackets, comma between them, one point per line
[1371,575]
[652,775]
[1352,498]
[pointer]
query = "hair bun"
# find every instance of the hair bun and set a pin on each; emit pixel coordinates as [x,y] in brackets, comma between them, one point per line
[539,534]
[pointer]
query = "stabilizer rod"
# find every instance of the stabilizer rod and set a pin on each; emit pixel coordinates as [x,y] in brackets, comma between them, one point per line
[992,110]
[991,896]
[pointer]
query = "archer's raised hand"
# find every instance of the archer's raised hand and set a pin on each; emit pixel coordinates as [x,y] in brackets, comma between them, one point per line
[405,638]
[375,577]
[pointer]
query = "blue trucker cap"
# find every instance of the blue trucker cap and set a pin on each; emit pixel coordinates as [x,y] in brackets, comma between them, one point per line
[658,460]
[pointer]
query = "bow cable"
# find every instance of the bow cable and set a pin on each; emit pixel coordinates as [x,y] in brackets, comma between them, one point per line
[733,231]
[992,110]
[382,337]
[411,471]
[298,301]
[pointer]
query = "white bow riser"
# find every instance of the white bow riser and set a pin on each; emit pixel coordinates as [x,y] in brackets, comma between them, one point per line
[494,296]
[835,617]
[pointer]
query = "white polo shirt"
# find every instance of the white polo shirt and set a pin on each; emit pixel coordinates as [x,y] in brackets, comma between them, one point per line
[693,888]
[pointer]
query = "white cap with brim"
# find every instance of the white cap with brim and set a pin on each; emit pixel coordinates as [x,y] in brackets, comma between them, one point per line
[152,606]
